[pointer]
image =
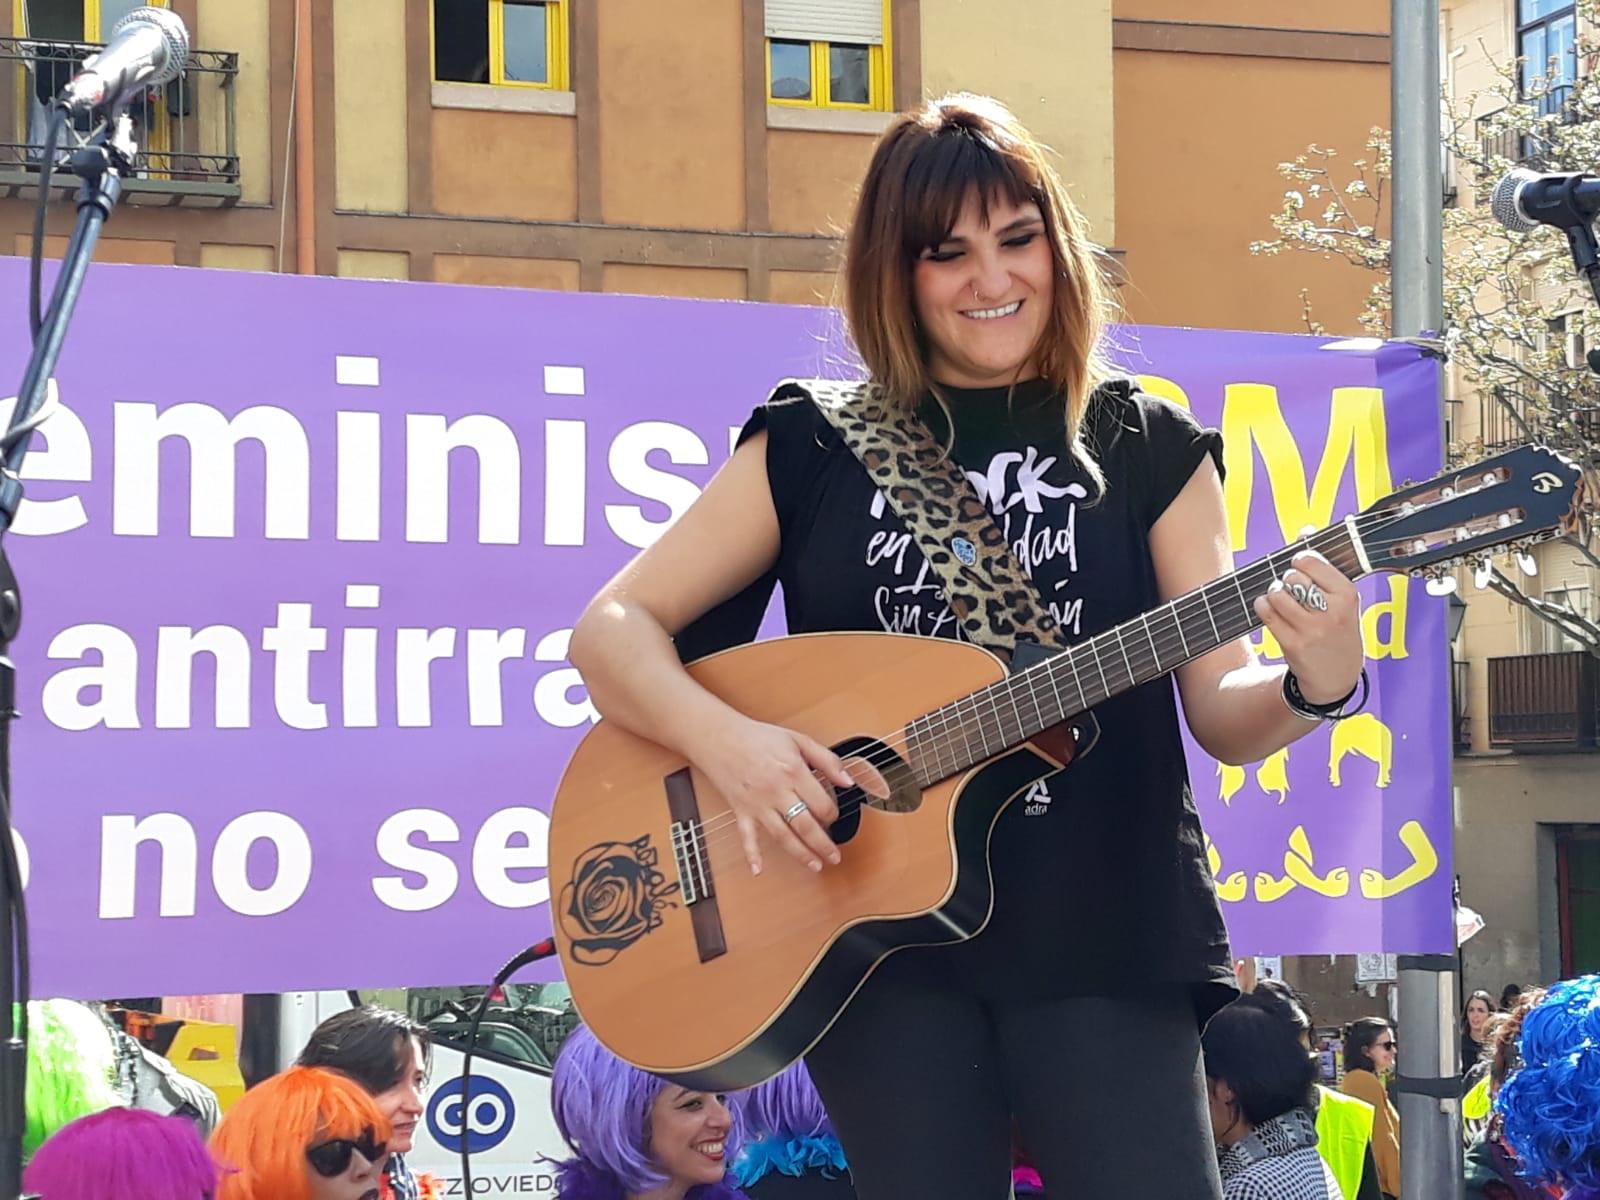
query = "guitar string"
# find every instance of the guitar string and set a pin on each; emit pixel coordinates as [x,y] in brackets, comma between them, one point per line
[719,829]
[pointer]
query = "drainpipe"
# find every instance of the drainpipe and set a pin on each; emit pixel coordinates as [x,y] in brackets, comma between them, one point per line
[305,212]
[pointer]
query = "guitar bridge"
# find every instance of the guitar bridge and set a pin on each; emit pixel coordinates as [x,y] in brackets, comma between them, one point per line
[696,886]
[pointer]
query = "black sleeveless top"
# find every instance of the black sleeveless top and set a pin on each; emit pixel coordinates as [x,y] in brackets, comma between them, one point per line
[1102,883]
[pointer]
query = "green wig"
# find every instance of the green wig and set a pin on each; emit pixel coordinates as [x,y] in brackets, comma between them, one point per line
[71,1068]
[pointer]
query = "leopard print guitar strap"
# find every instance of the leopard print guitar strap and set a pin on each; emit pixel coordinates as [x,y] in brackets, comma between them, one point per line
[993,598]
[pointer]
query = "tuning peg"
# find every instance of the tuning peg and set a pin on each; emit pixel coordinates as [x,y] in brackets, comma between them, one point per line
[1441,585]
[1481,573]
[1526,563]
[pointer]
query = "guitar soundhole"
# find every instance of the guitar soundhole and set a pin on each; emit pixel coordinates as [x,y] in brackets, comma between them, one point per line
[884,781]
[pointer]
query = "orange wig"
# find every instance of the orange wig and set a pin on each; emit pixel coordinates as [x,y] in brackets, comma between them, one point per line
[263,1140]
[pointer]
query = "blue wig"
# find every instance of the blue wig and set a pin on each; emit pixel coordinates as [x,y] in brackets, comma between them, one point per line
[1550,1108]
[602,1108]
[786,1129]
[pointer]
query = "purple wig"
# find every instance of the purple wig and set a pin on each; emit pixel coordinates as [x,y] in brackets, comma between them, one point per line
[785,1129]
[786,1105]
[1551,1107]
[123,1154]
[602,1108]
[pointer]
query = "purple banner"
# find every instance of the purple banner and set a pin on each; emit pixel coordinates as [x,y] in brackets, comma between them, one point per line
[299,581]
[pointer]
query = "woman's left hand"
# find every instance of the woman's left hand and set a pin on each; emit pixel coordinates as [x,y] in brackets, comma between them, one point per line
[1315,614]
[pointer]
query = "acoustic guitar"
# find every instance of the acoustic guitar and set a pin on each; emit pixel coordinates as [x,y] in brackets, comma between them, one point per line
[686,965]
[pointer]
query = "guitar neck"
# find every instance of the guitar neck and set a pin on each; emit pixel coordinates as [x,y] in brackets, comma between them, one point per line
[976,727]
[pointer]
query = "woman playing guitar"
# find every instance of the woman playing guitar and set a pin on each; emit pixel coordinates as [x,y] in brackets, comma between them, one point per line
[973,297]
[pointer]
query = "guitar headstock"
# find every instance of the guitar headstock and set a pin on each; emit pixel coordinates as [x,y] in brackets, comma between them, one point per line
[1523,496]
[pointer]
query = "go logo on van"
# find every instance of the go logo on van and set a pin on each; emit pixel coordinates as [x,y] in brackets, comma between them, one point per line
[482,1122]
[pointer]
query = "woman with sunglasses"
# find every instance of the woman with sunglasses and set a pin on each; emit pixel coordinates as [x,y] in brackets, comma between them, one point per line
[307,1134]
[1369,1054]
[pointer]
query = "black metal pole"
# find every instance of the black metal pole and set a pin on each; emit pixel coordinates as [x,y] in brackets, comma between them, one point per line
[97,164]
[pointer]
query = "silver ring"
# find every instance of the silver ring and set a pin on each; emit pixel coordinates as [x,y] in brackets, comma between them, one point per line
[1309,595]
[793,811]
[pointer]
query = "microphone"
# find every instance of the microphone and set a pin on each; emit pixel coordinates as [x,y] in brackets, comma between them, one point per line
[1525,200]
[148,47]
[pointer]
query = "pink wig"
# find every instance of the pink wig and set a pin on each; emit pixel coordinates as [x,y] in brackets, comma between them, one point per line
[123,1154]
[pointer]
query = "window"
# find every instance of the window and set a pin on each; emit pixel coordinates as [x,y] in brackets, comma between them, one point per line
[1546,638]
[83,21]
[505,43]
[1547,44]
[829,54]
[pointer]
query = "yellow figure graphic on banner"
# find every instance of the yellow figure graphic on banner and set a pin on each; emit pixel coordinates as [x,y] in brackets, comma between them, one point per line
[1232,780]
[1273,774]
[1424,862]
[1298,862]
[1269,887]
[1234,887]
[1365,735]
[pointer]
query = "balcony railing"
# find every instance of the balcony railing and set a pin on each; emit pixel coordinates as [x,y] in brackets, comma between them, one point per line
[1545,701]
[1526,148]
[186,131]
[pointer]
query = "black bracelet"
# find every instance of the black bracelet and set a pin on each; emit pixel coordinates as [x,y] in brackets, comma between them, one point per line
[1301,707]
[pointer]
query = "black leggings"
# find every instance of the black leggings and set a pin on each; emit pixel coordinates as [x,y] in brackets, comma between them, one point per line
[1108,1093]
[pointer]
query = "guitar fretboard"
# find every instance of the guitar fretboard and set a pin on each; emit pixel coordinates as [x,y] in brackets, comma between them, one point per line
[979,726]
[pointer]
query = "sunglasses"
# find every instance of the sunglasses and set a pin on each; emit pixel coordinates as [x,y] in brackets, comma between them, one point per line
[329,1159]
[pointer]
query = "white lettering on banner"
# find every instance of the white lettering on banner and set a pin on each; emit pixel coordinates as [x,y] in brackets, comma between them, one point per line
[438,871]
[120,837]
[176,647]
[550,694]
[213,441]
[565,482]
[510,844]
[63,457]
[290,876]
[429,440]
[294,639]
[513,839]
[487,649]
[630,467]
[415,651]
[359,513]
[107,693]
[114,680]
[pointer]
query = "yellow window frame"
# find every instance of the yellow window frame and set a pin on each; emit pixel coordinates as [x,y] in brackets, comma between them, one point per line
[556,54]
[880,82]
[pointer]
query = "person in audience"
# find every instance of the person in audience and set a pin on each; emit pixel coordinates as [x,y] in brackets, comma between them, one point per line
[304,1134]
[1508,996]
[1473,1014]
[391,1056]
[790,1151]
[634,1136]
[71,1066]
[1369,1055]
[123,1154]
[1549,1107]
[1344,1123]
[1259,1081]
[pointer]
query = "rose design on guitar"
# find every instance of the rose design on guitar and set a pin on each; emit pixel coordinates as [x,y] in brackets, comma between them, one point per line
[615,898]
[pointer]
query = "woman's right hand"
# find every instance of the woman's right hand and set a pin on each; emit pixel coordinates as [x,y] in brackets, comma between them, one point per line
[763,771]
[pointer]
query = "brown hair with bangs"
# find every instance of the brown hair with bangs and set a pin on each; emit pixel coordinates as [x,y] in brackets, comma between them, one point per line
[922,172]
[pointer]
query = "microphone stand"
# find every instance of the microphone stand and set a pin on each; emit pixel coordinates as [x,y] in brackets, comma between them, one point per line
[100,164]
